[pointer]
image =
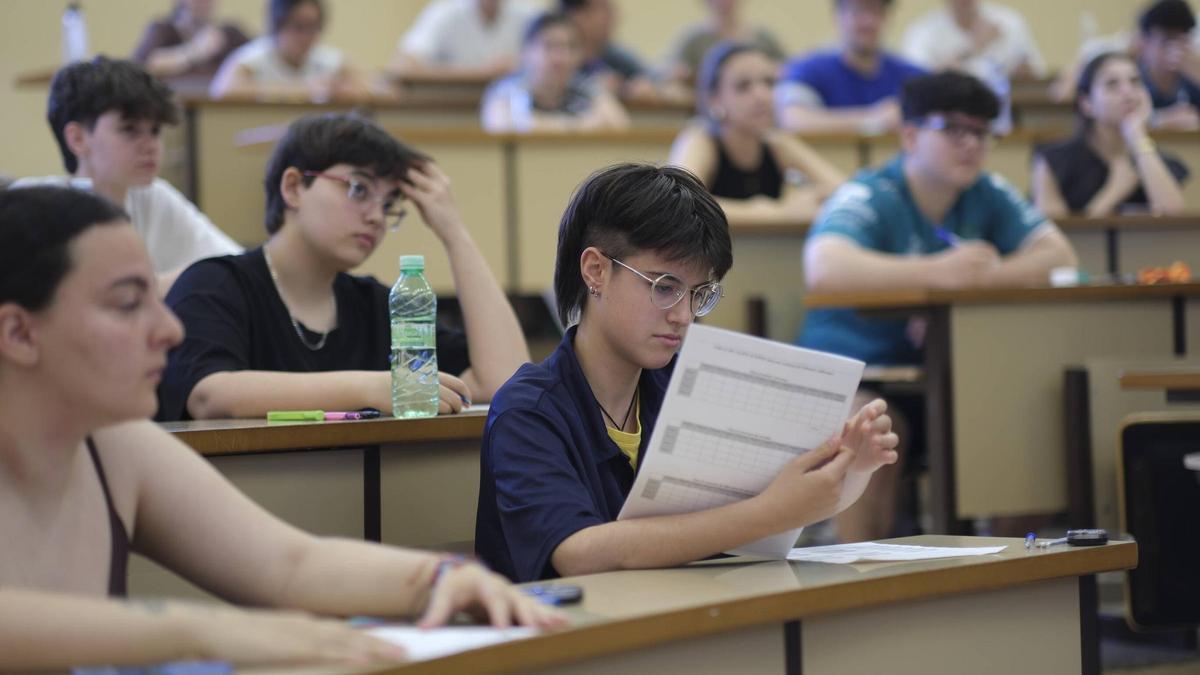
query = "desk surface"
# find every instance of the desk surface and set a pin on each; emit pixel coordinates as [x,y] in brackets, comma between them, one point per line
[1161,379]
[981,296]
[630,610]
[229,437]
[1130,223]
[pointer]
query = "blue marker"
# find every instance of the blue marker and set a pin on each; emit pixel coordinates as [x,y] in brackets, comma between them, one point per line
[1029,540]
[946,236]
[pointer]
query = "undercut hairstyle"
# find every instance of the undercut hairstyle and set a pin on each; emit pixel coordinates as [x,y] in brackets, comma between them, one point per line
[317,142]
[278,12]
[83,91]
[37,226]
[1168,16]
[543,22]
[708,77]
[568,6]
[838,3]
[628,208]
[947,92]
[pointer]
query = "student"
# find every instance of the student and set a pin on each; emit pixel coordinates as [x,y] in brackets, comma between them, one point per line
[757,173]
[285,327]
[1164,44]
[930,218]
[82,330]
[620,69]
[464,38]
[641,252]
[852,89]
[549,93]
[982,38]
[106,117]
[1111,163]
[1165,48]
[188,41]
[288,62]
[723,24]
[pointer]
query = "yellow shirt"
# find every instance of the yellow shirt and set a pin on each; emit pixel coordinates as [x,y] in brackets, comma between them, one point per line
[629,442]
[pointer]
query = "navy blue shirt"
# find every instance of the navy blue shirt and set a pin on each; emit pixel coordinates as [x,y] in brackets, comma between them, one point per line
[840,86]
[1185,91]
[548,467]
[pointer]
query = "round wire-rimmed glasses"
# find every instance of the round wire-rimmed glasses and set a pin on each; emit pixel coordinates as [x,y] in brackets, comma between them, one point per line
[667,290]
[362,193]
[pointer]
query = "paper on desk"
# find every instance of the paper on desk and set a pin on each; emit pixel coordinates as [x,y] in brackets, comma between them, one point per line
[423,644]
[738,409]
[872,552]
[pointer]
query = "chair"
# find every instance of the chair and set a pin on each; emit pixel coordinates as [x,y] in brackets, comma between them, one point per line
[1160,506]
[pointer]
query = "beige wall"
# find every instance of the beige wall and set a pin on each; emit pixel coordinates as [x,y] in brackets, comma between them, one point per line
[367,30]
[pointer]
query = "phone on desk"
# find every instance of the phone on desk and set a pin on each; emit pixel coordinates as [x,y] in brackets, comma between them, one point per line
[556,594]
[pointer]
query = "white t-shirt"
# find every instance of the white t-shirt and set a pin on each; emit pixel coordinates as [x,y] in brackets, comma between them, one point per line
[935,39]
[267,68]
[175,232]
[453,32]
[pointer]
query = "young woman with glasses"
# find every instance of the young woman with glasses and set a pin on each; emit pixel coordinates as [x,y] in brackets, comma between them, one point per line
[641,253]
[285,327]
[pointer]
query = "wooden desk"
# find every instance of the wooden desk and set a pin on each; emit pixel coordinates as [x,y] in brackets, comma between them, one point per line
[422,473]
[1015,610]
[994,363]
[1181,386]
[404,482]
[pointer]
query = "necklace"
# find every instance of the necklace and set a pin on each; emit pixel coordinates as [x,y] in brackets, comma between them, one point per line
[625,419]
[295,324]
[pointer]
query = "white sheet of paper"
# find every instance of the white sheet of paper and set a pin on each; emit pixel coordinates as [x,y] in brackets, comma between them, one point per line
[433,643]
[873,552]
[737,410]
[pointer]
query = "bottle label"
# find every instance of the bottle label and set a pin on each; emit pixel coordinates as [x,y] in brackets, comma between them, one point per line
[413,335]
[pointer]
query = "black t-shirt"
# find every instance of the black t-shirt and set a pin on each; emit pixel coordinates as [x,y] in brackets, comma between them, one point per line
[733,182]
[1081,173]
[235,320]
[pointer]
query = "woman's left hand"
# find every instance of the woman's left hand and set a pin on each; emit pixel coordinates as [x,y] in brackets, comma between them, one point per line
[428,187]
[869,432]
[472,588]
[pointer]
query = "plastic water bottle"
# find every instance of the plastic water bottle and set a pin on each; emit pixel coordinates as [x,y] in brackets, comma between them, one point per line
[413,309]
[74,34]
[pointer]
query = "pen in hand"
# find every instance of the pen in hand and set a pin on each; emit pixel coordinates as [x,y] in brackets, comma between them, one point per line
[948,237]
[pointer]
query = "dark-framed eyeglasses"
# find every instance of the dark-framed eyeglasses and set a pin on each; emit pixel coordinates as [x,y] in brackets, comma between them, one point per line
[362,193]
[666,290]
[958,132]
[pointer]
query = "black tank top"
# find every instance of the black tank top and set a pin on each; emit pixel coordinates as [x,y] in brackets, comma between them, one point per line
[732,182]
[119,564]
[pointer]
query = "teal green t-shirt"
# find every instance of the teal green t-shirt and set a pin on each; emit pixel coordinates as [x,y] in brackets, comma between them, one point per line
[877,211]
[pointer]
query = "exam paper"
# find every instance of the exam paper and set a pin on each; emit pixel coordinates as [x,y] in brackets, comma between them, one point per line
[872,552]
[423,644]
[737,410]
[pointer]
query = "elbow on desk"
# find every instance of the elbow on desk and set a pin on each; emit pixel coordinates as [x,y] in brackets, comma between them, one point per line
[208,400]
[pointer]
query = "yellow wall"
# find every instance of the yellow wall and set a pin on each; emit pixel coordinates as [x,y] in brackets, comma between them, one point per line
[368,29]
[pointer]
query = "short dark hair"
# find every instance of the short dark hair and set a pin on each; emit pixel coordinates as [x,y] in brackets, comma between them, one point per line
[279,10]
[568,6]
[947,92]
[1171,16]
[543,22]
[317,142]
[83,91]
[886,3]
[37,226]
[628,208]
[712,65]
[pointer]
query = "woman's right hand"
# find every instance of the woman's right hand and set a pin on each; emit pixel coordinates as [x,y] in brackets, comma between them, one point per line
[256,637]
[809,487]
[455,394]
